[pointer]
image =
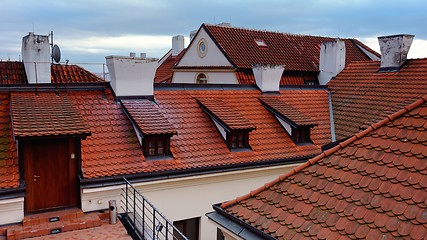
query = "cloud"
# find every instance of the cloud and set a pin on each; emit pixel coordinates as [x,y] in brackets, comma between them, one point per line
[418,48]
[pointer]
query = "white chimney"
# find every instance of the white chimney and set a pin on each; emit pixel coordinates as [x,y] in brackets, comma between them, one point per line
[193,34]
[332,60]
[131,76]
[36,58]
[177,45]
[267,77]
[394,50]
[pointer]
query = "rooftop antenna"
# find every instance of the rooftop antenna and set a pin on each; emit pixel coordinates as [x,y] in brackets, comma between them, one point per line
[56,52]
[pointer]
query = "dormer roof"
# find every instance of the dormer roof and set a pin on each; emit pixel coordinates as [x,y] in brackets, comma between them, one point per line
[147,117]
[45,114]
[228,117]
[286,112]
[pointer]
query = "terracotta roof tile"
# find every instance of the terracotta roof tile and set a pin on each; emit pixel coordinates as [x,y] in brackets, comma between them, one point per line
[286,112]
[147,117]
[45,114]
[288,78]
[390,205]
[229,117]
[164,72]
[12,73]
[9,170]
[362,96]
[296,52]
[72,74]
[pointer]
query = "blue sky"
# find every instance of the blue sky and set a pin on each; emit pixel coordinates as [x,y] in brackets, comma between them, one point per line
[88,30]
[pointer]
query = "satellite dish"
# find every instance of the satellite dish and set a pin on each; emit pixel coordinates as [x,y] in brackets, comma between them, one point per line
[56,53]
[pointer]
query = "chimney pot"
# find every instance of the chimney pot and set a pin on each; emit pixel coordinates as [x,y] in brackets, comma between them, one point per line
[394,51]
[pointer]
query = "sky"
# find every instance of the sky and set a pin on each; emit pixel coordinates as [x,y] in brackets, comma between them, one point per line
[89,30]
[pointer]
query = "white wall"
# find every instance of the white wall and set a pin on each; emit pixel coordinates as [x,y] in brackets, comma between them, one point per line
[214,56]
[11,210]
[190,197]
[36,57]
[213,77]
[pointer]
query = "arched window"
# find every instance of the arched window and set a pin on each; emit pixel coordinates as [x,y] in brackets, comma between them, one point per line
[201,78]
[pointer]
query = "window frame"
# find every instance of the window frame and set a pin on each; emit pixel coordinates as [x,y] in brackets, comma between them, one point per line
[164,140]
[238,139]
[301,135]
[199,79]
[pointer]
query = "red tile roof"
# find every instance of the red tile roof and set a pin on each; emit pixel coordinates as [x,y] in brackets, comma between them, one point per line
[45,114]
[372,186]
[286,112]
[361,95]
[164,72]
[147,117]
[247,77]
[9,170]
[227,116]
[113,149]
[12,73]
[72,74]
[296,52]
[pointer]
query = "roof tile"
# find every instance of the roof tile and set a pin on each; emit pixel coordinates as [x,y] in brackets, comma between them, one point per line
[364,201]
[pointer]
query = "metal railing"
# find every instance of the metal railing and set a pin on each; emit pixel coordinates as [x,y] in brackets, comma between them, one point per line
[144,219]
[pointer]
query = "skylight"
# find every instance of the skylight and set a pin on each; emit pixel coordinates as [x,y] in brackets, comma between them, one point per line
[260,43]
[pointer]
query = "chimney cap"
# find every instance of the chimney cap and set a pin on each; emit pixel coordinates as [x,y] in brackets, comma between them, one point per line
[396,35]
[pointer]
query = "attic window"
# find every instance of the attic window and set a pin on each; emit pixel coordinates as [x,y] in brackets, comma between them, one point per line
[261,43]
[201,78]
[301,135]
[156,145]
[233,127]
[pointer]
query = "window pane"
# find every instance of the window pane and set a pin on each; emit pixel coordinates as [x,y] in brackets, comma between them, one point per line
[241,140]
[233,141]
[160,148]
[151,148]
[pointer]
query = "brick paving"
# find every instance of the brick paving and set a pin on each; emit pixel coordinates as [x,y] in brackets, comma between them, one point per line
[105,231]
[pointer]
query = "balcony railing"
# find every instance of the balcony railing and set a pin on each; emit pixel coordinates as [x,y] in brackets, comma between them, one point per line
[143,219]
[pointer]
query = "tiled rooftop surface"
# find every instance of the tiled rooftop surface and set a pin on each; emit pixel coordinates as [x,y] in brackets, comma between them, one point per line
[372,186]
[147,117]
[113,148]
[45,114]
[285,110]
[164,72]
[12,73]
[9,170]
[230,117]
[296,52]
[247,77]
[72,74]
[362,96]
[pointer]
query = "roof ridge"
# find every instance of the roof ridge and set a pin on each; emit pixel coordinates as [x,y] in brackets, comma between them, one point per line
[330,151]
[271,31]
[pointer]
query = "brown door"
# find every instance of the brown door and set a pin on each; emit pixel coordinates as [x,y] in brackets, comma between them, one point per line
[50,174]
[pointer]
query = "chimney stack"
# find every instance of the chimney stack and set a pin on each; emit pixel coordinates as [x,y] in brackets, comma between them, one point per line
[394,51]
[332,60]
[267,77]
[177,45]
[36,58]
[132,76]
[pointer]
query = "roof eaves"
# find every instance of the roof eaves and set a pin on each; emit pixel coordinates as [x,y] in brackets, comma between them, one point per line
[329,152]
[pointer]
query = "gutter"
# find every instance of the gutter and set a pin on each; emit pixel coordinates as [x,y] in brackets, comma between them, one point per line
[244,230]
[331,117]
[173,174]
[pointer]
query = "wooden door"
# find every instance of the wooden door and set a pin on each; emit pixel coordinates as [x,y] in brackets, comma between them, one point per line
[50,174]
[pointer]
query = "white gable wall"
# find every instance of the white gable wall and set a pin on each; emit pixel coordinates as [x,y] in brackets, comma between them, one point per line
[214,56]
[213,77]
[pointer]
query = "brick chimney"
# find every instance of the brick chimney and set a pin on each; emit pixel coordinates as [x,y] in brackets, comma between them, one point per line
[177,45]
[332,60]
[267,77]
[36,58]
[394,51]
[132,76]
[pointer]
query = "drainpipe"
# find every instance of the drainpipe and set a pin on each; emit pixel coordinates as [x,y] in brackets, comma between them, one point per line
[331,117]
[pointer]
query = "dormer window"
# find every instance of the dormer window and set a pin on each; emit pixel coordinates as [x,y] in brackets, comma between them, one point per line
[201,78]
[154,131]
[296,124]
[233,127]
